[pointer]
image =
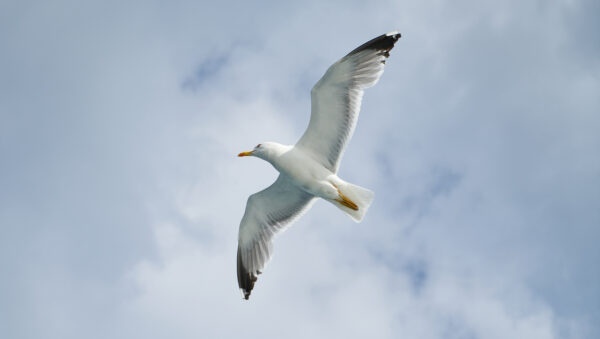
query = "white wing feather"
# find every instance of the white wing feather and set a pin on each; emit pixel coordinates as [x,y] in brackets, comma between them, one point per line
[336,100]
[267,213]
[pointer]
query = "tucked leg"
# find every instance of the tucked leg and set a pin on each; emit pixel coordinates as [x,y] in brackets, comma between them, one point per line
[344,199]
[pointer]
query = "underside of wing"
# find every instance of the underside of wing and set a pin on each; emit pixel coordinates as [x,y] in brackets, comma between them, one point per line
[337,96]
[267,213]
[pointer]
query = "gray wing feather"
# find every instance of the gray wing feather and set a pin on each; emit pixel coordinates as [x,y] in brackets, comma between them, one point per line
[267,213]
[337,96]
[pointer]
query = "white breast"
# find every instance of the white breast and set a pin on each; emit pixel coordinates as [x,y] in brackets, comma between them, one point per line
[307,173]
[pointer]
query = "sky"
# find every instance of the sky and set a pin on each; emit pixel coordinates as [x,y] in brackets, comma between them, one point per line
[121,193]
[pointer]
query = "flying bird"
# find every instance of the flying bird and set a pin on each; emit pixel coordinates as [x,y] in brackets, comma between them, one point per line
[308,170]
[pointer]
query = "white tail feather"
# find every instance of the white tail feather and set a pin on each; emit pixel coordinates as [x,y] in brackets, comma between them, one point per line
[362,197]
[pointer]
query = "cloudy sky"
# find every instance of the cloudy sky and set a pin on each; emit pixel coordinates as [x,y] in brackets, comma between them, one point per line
[121,195]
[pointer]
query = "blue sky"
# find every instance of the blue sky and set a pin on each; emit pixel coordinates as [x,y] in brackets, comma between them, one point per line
[121,195]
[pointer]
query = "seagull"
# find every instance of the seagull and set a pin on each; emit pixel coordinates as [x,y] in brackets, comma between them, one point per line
[308,170]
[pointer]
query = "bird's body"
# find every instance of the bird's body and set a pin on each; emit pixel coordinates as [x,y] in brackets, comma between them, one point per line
[312,177]
[308,170]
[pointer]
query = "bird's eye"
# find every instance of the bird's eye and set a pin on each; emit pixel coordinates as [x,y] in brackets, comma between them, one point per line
[257,146]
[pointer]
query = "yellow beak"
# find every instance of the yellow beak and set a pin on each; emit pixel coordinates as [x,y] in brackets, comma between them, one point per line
[245,154]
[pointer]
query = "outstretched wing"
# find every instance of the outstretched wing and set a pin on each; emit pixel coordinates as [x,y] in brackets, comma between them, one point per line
[337,96]
[267,213]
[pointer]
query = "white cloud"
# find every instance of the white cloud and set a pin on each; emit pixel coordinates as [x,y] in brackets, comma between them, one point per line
[122,193]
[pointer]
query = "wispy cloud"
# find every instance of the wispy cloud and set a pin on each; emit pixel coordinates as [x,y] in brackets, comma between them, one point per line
[121,193]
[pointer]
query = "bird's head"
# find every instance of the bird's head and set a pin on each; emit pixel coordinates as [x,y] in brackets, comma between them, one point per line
[264,151]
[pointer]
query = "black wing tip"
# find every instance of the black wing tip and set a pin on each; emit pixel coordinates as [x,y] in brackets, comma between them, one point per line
[246,279]
[383,43]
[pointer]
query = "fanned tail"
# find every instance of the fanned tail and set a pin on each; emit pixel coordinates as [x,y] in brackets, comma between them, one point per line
[359,197]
